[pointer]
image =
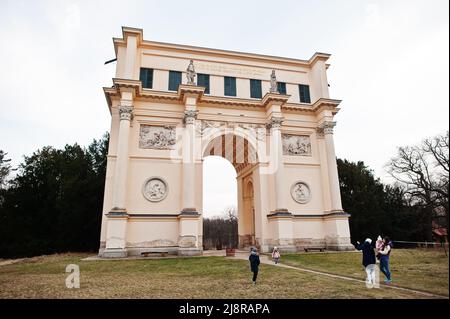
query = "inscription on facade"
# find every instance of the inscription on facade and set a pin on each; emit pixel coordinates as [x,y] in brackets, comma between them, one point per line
[221,69]
[296,145]
[157,137]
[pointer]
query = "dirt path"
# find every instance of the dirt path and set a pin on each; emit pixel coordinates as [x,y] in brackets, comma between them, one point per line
[265,260]
[11,261]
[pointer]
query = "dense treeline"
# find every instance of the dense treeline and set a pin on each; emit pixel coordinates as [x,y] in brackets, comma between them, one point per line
[221,232]
[408,209]
[375,208]
[54,201]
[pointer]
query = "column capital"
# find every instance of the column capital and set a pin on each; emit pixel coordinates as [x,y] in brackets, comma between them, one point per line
[126,112]
[326,127]
[190,116]
[275,122]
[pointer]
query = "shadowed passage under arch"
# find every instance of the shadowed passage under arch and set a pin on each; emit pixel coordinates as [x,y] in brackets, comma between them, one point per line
[243,156]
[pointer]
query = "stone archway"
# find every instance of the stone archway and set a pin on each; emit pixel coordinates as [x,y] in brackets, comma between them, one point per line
[241,153]
[281,142]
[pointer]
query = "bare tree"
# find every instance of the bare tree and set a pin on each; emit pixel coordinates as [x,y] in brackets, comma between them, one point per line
[230,213]
[423,170]
[5,168]
[221,230]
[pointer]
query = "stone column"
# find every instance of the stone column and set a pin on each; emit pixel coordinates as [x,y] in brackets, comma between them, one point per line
[121,168]
[277,158]
[118,217]
[189,161]
[281,218]
[327,129]
[337,231]
[189,242]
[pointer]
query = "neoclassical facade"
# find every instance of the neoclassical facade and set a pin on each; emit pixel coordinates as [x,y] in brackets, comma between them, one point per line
[173,105]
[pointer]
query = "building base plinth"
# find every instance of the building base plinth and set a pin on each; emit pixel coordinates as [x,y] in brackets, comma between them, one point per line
[190,252]
[342,247]
[339,243]
[114,253]
[285,248]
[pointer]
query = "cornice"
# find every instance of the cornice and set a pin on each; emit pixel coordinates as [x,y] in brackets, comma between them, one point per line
[189,90]
[139,33]
[326,104]
[274,98]
[185,90]
[319,56]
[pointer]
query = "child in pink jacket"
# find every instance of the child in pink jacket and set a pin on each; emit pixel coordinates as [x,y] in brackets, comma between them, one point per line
[378,246]
[276,255]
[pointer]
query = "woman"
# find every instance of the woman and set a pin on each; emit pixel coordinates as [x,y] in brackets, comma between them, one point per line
[254,263]
[384,259]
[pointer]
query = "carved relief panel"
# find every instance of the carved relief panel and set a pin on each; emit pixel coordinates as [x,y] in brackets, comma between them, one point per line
[157,137]
[296,145]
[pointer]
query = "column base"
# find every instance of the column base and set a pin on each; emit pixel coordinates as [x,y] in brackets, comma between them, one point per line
[190,252]
[285,248]
[343,247]
[339,243]
[114,253]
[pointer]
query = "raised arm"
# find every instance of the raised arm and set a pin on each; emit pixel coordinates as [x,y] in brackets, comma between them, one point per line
[385,250]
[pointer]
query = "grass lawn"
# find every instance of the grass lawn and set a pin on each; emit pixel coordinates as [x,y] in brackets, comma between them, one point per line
[420,269]
[205,277]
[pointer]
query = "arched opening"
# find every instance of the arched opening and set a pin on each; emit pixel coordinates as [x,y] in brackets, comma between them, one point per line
[247,229]
[229,163]
[220,203]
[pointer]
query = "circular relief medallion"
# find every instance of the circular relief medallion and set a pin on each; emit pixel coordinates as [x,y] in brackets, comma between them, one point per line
[155,189]
[301,192]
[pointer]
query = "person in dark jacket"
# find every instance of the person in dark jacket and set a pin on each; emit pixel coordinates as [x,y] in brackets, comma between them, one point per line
[254,263]
[368,260]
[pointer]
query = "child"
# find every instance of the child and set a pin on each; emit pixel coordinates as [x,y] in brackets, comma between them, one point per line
[378,246]
[276,255]
[254,263]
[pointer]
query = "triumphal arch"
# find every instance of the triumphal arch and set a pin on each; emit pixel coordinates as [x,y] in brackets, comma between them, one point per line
[172,105]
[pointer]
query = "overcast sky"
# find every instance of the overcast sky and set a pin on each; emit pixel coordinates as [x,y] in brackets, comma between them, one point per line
[389,65]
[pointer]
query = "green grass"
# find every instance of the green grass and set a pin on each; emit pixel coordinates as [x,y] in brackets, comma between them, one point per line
[419,269]
[206,277]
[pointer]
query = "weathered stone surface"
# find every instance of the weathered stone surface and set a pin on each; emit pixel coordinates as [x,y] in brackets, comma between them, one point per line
[114,253]
[190,252]
[338,243]
[187,241]
[302,243]
[153,243]
[245,241]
